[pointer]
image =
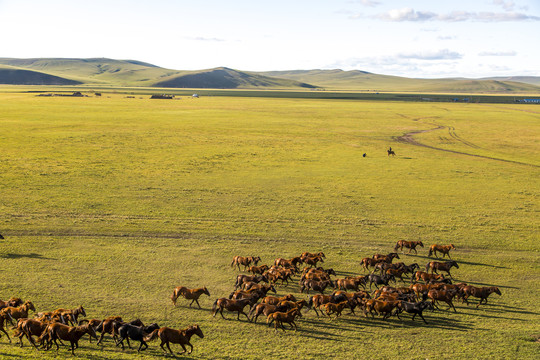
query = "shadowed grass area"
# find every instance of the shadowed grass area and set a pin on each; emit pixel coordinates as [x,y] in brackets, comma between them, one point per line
[111,202]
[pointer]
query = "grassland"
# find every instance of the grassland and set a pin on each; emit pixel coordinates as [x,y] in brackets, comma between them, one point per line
[111,202]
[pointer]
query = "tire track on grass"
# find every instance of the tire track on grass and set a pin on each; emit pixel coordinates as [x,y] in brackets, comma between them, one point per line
[409,138]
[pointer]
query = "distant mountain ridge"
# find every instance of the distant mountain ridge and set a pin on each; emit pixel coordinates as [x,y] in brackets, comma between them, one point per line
[111,72]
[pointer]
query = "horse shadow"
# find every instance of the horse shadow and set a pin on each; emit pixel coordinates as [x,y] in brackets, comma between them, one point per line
[30,256]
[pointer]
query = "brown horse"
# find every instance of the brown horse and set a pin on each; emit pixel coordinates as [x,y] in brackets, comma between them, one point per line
[367,262]
[444,249]
[350,283]
[386,258]
[14,313]
[308,254]
[279,318]
[72,334]
[319,286]
[257,269]
[481,293]
[425,277]
[411,245]
[332,308]
[13,302]
[189,294]
[274,300]
[182,337]
[443,266]
[246,261]
[69,315]
[442,295]
[231,305]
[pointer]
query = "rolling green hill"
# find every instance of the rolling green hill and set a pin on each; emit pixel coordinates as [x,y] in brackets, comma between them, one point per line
[361,80]
[14,76]
[225,78]
[128,73]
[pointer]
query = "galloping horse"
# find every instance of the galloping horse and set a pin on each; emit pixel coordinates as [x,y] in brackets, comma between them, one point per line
[231,305]
[189,294]
[411,245]
[69,315]
[246,261]
[182,337]
[279,318]
[444,266]
[481,293]
[444,249]
[391,152]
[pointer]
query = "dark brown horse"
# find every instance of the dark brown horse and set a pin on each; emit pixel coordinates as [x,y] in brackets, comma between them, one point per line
[444,249]
[411,245]
[442,295]
[367,262]
[386,258]
[319,286]
[435,266]
[182,337]
[481,293]
[231,305]
[189,294]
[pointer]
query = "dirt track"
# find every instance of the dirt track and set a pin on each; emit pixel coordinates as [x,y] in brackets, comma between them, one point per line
[408,138]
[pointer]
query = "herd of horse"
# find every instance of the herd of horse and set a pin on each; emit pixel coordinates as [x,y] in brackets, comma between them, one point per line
[64,325]
[419,291]
[423,290]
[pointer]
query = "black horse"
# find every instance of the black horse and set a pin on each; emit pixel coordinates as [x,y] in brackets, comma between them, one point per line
[417,308]
[128,331]
[380,279]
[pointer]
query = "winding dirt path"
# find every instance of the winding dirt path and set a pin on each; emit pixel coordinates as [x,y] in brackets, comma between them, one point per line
[408,138]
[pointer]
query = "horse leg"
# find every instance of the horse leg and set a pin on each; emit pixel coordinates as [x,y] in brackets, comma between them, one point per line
[4,331]
[244,314]
[422,317]
[221,312]
[191,348]
[191,302]
[183,347]
[197,301]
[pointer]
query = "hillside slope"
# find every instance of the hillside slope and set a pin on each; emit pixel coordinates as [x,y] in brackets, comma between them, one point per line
[225,78]
[13,76]
[111,72]
[361,80]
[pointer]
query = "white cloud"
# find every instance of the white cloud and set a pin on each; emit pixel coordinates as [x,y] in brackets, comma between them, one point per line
[409,14]
[497,53]
[506,5]
[432,55]
[369,3]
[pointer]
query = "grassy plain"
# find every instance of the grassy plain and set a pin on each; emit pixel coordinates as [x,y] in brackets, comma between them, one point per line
[111,202]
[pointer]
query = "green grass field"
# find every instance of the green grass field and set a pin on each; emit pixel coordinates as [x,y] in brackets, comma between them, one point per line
[111,202]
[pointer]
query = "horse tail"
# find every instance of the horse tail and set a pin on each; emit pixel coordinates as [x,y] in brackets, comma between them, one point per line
[413,276]
[430,251]
[397,246]
[151,336]
[233,261]
[310,302]
[427,266]
[214,306]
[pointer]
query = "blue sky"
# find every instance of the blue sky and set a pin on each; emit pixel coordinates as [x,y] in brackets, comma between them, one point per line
[424,39]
